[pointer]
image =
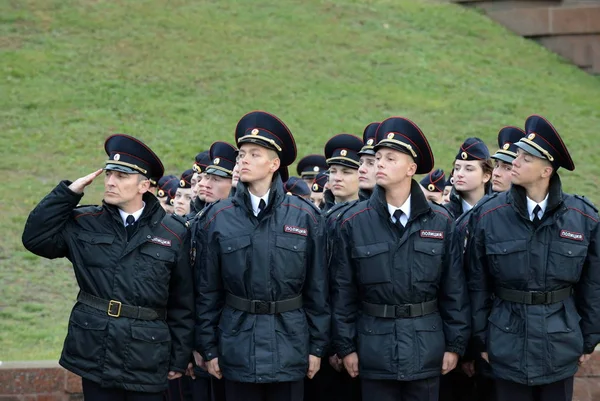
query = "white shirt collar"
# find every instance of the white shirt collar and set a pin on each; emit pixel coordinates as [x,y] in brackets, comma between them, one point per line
[531,204]
[256,200]
[136,215]
[466,206]
[405,210]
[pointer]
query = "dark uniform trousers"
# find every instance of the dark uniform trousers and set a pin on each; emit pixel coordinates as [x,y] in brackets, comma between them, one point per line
[198,389]
[94,392]
[561,390]
[457,386]
[393,390]
[283,391]
[331,385]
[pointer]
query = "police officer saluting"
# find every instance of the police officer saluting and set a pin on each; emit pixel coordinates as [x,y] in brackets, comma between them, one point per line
[400,311]
[261,282]
[533,256]
[131,328]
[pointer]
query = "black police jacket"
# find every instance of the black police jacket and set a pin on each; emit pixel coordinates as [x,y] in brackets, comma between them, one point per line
[535,344]
[373,263]
[151,270]
[277,256]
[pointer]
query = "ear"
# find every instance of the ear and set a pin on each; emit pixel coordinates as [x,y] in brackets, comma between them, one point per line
[547,172]
[144,186]
[275,163]
[487,177]
[412,169]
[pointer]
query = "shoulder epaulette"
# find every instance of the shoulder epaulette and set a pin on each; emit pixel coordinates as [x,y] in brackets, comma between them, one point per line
[206,209]
[343,207]
[485,200]
[181,219]
[587,201]
[315,208]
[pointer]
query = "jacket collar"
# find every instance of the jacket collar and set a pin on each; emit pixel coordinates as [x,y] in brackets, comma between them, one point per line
[418,202]
[276,195]
[364,194]
[518,197]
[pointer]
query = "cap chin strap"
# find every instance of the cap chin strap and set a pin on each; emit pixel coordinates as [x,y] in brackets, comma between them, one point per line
[537,147]
[132,166]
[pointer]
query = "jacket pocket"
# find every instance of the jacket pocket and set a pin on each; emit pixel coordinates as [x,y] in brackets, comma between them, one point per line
[236,340]
[234,256]
[291,331]
[566,261]
[149,351]
[289,256]
[565,340]
[427,261]
[373,262]
[506,339]
[376,344]
[96,250]
[155,263]
[431,343]
[509,260]
[86,339]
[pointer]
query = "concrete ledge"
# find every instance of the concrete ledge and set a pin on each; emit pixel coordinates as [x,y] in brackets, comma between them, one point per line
[38,381]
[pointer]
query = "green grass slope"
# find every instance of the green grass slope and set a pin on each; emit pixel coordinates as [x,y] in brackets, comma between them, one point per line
[180,73]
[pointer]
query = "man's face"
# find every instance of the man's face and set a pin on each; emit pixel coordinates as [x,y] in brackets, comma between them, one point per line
[122,189]
[235,176]
[366,172]
[528,169]
[182,201]
[343,181]
[194,183]
[256,163]
[446,194]
[501,176]
[215,187]
[393,167]
[433,196]
[316,198]
[200,190]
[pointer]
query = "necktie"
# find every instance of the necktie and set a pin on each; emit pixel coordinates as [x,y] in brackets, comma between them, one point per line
[261,207]
[397,214]
[536,217]
[130,226]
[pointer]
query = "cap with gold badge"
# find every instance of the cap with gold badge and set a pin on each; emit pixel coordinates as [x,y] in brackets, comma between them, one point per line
[405,136]
[473,149]
[435,181]
[296,186]
[542,140]
[201,162]
[318,184]
[369,137]
[343,149]
[222,159]
[507,137]
[186,179]
[311,165]
[130,155]
[163,183]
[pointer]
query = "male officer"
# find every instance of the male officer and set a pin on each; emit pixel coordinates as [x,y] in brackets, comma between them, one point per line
[317,188]
[201,162]
[132,325]
[261,280]
[341,152]
[183,196]
[309,166]
[400,310]
[433,184]
[367,167]
[216,182]
[504,156]
[534,260]
[297,186]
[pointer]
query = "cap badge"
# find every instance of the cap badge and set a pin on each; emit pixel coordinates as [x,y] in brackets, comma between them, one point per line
[116,157]
[464,155]
[161,193]
[390,135]
[370,142]
[452,180]
[217,160]
[506,146]
[316,169]
[431,187]
[531,136]
[196,168]
[182,183]
[315,186]
[344,152]
[172,202]
[254,131]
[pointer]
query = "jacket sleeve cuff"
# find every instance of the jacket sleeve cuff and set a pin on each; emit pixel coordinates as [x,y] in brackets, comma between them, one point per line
[342,353]
[210,354]
[457,349]
[316,350]
[588,348]
[176,369]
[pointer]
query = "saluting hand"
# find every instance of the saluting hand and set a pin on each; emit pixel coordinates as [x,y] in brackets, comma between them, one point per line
[450,361]
[214,369]
[79,184]
[314,364]
[351,364]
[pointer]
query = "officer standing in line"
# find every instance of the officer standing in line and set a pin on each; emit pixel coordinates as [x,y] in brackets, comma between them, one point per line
[400,309]
[297,186]
[132,326]
[183,195]
[261,282]
[504,156]
[309,166]
[341,152]
[534,274]
[367,167]
[317,188]
[162,190]
[216,181]
[448,188]
[433,184]
[199,168]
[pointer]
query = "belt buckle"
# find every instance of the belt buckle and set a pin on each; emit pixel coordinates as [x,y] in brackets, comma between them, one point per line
[260,307]
[402,311]
[111,305]
[538,297]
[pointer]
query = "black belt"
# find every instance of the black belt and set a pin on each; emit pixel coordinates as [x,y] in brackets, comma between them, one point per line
[533,297]
[264,307]
[400,311]
[117,309]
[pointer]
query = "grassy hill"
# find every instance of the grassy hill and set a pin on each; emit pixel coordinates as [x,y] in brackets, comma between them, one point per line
[180,73]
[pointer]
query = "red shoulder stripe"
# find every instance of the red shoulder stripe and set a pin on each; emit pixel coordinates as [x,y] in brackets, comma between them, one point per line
[169,230]
[491,210]
[586,215]
[359,212]
[301,208]
[218,211]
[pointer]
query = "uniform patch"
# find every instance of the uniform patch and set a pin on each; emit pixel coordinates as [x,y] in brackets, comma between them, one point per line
[571,235]
[432,234]
[296,230]
[160,241]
